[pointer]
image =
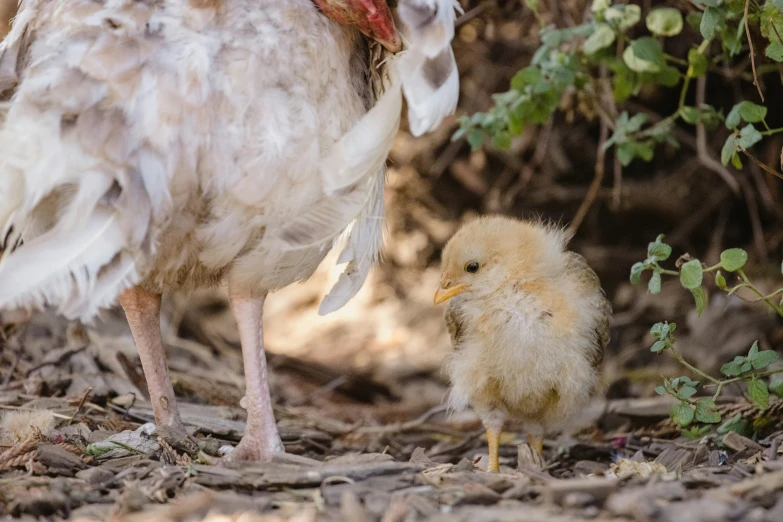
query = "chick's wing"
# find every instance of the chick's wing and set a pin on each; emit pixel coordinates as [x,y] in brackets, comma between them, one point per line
[588,281]
[454,324]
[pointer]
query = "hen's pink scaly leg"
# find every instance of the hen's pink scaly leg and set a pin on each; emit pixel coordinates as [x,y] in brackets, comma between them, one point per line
[142,308]
[261,439]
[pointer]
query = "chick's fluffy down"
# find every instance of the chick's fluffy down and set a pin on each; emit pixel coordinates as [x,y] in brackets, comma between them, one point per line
[531,326]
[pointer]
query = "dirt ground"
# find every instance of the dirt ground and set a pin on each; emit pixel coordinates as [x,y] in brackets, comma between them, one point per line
[359,393]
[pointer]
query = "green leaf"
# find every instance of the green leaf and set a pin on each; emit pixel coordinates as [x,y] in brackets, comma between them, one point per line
[658,249]
[733,368]
[736,162]
[736,424]
[710,20]
[682,414]
[720,281]
[749,136]
[695,432]
[687,381]
[691,274]
[660,390]
[707,411]
[733,259]
[775,386]
[644,55]
[623,16]
[700,298]
[501,140]
[528,76]
[697,63]
[476,139]
[774,51]
[764,359]
[654,286]
[636,273]
[759,394]
[600,5]
[690,114]
[657,329]
[685,392]
[602,38]
[734,119]
[658,347]
[664,21]
[669,76]
[747,111]
[751,112]
[625,154]
[729,149]
[761,359]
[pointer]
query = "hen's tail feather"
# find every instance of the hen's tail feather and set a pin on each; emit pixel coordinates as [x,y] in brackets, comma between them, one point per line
[361,252]
[363,150]
[430,79]
[63,266]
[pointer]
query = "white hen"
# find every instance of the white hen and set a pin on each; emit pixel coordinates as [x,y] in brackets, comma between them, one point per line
[156,146]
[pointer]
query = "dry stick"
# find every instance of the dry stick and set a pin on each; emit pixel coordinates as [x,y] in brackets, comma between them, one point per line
[473,13]
[81,404]
[762,165]
[404,426]
[595,185]
[617,189]
[755,222]
[600,163]
[701,143]
[752,54]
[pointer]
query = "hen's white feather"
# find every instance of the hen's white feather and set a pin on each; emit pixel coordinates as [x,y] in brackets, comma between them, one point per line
[364,149]
[430,79]
[62,264]
[428,25]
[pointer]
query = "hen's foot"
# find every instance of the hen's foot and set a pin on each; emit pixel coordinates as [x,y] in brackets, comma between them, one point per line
[252,449]
[178,438]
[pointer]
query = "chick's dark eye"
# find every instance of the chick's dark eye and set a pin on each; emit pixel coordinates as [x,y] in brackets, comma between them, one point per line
[472,268]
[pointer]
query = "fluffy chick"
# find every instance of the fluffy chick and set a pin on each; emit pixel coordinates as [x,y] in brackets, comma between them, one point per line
[529,322]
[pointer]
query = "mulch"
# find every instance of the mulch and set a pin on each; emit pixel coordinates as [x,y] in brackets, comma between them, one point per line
[96,456]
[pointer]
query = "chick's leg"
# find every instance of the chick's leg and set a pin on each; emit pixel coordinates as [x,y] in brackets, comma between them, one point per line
[494,425]
[142,308]
[261,439]
[536,442]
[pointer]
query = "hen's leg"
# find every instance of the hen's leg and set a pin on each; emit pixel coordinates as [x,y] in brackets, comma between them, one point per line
[261,439]
[142,308]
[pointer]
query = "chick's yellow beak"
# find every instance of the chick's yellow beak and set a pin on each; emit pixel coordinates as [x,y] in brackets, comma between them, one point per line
[444,294]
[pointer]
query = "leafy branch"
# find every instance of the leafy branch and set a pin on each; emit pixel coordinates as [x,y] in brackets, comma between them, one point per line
[568,60]
[691,273]
[744,368]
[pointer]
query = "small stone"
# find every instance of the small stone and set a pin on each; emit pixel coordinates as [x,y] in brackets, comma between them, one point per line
[59,460]
[95,475]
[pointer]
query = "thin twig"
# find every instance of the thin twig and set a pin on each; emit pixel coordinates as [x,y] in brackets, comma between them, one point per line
[600,169]
[404,426]
[701,143]
[81,403]
[758,162]
[752,54]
